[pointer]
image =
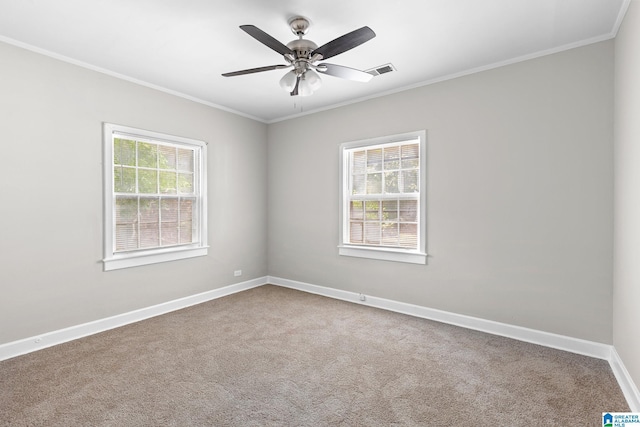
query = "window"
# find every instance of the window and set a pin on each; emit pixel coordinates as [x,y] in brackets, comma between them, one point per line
[382,204]
[154,197]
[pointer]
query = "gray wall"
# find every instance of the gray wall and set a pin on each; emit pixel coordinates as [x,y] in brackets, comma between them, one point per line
[51,116]
[626,291]
[520,194]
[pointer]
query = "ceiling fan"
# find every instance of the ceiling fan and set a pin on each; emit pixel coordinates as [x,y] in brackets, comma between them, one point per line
[303,55]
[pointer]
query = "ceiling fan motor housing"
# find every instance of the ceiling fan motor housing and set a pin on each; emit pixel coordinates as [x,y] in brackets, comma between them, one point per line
[302,49]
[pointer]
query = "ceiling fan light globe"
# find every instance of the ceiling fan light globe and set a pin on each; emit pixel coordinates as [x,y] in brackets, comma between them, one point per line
[304,88]
[288,81]
[313,79]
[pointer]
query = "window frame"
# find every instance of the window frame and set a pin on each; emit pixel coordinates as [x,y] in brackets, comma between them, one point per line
[117,260]
[345,248]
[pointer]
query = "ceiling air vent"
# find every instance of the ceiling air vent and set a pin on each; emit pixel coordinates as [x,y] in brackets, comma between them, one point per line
[381,69]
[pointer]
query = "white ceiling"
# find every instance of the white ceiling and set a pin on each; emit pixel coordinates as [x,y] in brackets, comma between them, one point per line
[183,46]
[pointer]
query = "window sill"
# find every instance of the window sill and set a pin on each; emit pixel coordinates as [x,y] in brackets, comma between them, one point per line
[135,259]
[384,254]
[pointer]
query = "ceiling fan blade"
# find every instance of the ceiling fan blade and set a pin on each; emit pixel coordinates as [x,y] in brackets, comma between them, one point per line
[346,42]
[255,70]
[266,39]
[344,72]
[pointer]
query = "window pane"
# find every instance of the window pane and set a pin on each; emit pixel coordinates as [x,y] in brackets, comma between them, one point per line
[372,233]
[391,182]
[372,211]
[355,232]
[185,160]
[169,210]
[409,210]
[147,155]
[410,156]
[410,181]
[392,158]
[186,209]
[166,157]
[149,211]
[409,236]
[167,182]
[389,210]
[186,220]
[186,232]
[126,209]
[185,183]
[126,237]
[126,216]
[358,184]
[147,181]
[149,235]
[359,161]
[177,221]
[124,179]
[374,183]
[169,233]
[356,210]
[124,152]
[390,234]
[374,160]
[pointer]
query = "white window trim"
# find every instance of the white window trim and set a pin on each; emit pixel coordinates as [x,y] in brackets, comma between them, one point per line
[418,256]
[114,261]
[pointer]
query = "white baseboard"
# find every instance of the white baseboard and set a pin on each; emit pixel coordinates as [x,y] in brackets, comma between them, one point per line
[561,342]
[547,339]
[629,389]
[27,345]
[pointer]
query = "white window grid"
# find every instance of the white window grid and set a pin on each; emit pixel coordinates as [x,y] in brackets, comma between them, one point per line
[191,239]
[377,247]
[158,196]
[373,195]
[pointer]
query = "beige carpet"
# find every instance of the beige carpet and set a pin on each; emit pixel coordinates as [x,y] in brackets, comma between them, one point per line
[275,356]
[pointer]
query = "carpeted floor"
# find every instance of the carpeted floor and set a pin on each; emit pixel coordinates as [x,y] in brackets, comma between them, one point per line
[276,356]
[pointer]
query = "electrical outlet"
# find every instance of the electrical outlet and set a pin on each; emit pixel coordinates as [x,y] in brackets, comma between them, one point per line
[237,273]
